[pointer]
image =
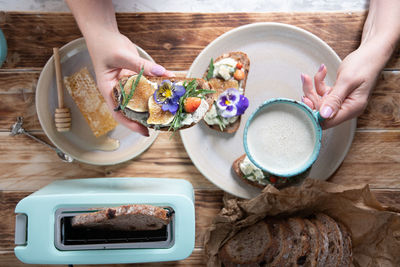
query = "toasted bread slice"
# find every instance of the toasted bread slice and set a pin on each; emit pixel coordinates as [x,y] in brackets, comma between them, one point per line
[286,244]
[335,256]
[323,242]
[347,243]
[125,218]
[301,242]
[220,85]
[248,246]
[314,235]
[276,246]
[278,182]
[142,109]
[236,169]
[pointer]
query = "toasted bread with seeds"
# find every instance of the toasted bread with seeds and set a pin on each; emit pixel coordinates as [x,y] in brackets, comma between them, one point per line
[220,85]
[125,218]
[144,109]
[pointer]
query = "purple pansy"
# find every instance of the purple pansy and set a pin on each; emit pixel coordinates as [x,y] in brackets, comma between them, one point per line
[231,103]
[168,95]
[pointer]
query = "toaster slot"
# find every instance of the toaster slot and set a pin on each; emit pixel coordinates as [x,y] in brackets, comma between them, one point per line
[74,238]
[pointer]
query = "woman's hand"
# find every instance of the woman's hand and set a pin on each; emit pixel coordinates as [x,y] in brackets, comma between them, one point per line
[114,55]
[347,99]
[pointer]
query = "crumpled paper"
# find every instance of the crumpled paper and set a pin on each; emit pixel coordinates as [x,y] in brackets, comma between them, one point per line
[375,228]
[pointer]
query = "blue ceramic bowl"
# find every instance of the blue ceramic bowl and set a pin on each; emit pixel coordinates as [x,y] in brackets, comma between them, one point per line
[316,120]
[3,48]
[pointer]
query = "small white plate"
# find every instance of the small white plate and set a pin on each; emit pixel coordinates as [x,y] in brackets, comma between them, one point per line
[80,142]
[278,54]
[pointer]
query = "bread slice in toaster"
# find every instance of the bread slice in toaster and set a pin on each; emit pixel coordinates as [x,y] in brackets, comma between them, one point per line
[125,218]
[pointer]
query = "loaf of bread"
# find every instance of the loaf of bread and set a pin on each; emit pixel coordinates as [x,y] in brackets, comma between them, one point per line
[125,218]
[317,240]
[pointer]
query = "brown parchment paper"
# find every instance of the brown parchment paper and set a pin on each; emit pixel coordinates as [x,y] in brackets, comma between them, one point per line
[375,228]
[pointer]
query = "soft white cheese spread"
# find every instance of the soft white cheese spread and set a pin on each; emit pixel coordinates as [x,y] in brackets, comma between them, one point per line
[197,115]
[251,172]
[211,118]
[224,68]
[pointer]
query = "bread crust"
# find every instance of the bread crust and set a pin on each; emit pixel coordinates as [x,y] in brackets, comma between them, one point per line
[293,241]
[236,169]
[201,83]
[244,59]
[280,182]
[126,218]
[248,246]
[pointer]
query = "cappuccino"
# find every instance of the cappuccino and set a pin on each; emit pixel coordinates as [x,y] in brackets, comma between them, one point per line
[281,138]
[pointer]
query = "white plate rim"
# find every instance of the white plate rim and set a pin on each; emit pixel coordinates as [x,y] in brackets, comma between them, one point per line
[76,43]
[185,139]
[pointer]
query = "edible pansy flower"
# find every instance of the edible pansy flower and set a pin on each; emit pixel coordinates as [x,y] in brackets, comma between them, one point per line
[231,103]
[168,95]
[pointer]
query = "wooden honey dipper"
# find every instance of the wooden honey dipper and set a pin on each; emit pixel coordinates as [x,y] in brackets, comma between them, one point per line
[62,114]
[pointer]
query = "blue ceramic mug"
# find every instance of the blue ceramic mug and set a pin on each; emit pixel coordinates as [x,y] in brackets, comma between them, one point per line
[282,137]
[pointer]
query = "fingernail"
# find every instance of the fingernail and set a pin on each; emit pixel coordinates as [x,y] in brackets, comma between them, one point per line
[157,70]
[326,112]
[302,99]
[321,67]
[302,78]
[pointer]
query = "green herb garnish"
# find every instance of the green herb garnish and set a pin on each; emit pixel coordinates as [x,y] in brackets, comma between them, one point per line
[221,123]
[191,91]
[126,100]
[122,90]
[210,72]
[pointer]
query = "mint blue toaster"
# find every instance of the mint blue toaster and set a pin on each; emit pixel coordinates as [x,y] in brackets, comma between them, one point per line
[43,234]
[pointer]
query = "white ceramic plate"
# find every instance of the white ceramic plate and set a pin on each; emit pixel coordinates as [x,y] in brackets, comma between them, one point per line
[80,142]
[278,54]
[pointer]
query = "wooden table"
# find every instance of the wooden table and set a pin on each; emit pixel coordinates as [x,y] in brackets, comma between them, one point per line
[174,40]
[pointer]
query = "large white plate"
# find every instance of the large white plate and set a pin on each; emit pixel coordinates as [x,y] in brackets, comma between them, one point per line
[278,54]
[80,142]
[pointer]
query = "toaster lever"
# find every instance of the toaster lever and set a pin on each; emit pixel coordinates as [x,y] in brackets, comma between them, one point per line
[21,221]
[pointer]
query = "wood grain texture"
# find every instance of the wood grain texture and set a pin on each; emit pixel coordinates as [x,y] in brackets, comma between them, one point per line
[208,204]
[383,110]
[172,39]
[374,158]
[28,165]
[17,90]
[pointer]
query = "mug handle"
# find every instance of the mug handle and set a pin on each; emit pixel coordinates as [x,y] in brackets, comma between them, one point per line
[318,116]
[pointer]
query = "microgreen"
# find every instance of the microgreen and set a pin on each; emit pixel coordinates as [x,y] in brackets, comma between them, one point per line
[221,123]
[125,100]
[210,72]
[191,91]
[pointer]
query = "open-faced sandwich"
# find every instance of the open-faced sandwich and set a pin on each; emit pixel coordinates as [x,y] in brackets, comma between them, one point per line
[163,103]
[227,75]
[254,176]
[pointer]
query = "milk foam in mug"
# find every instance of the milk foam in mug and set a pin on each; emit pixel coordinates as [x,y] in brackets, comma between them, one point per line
[283,137]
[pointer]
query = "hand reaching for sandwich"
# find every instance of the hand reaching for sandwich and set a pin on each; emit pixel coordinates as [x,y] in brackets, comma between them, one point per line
[116,56]
[348,98]
[358,73]
[113,54]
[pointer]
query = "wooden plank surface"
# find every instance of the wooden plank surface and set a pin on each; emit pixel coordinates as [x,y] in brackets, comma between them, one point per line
[208,204]
[17,91]
[374,158]
[172,39]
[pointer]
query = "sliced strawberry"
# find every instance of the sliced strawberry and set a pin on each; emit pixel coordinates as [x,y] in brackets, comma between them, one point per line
[191,104]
